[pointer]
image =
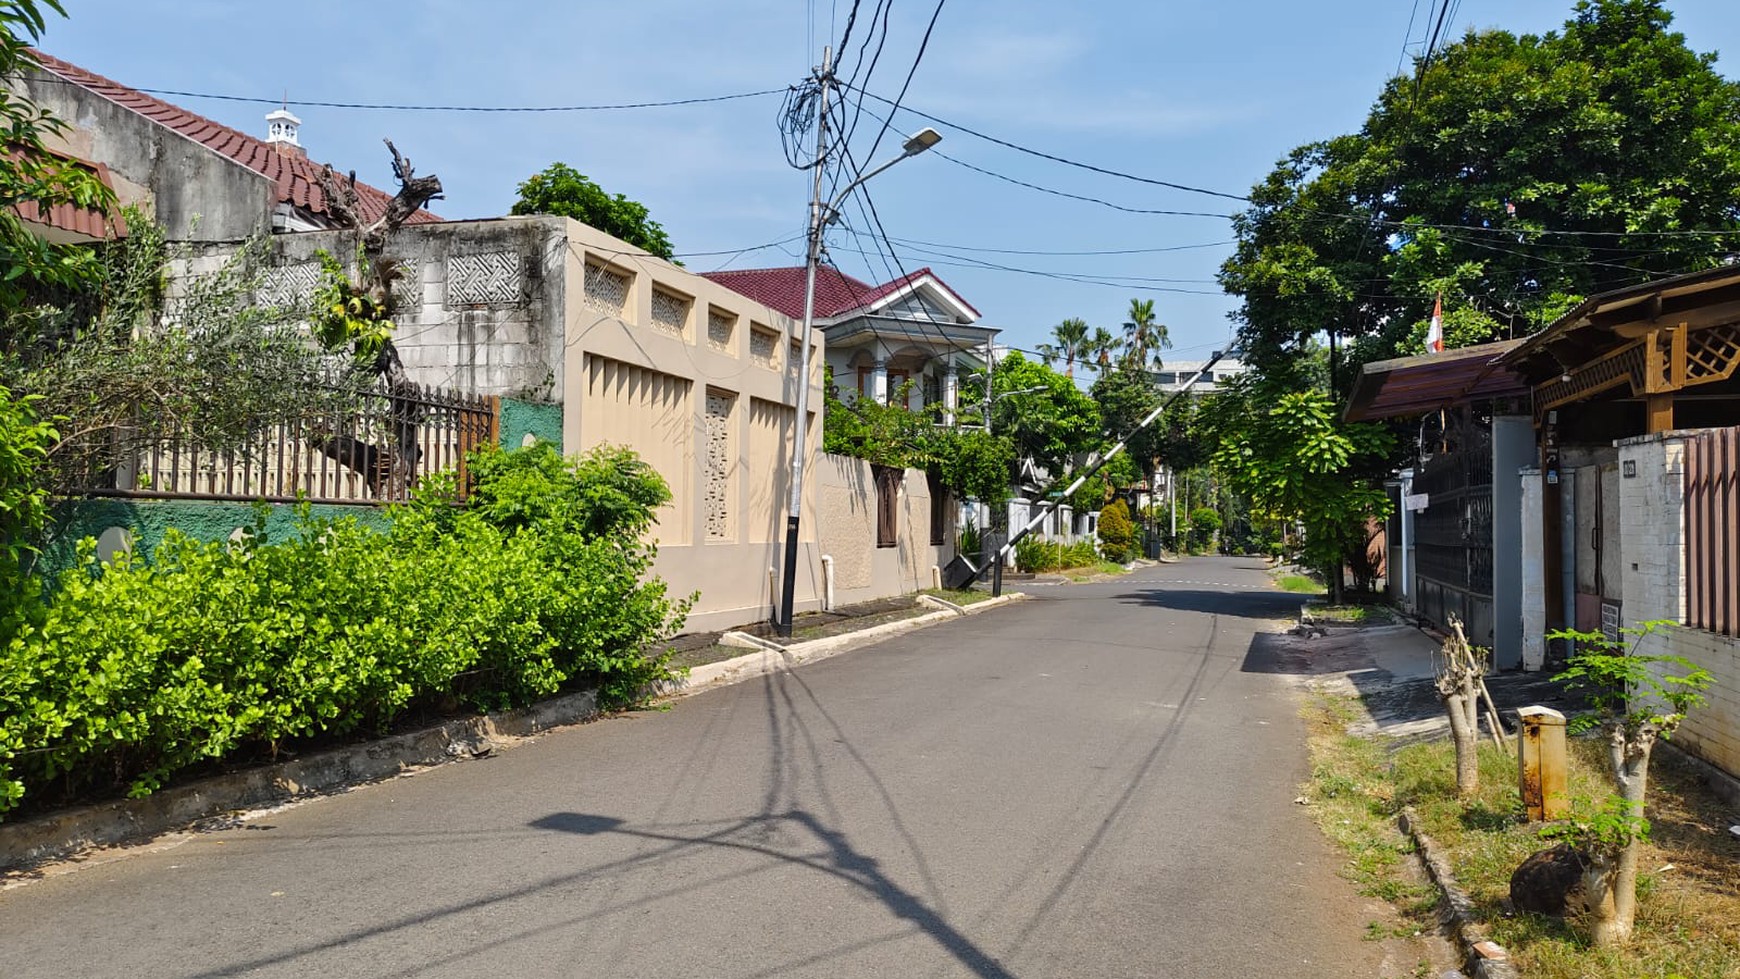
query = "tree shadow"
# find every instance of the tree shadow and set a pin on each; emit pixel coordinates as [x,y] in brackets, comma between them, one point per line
[1245,604]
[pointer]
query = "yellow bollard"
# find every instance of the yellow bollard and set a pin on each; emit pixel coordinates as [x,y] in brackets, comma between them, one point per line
[1541,765]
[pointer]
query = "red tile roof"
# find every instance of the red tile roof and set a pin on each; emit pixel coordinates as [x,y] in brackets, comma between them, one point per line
[836,292]
[79,221]
[296,176]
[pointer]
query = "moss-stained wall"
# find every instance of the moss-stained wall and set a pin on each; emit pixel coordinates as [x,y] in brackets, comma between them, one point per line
[538,420]
[146,521]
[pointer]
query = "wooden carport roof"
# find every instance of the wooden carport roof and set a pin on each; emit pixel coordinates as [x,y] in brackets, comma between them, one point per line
[1409,386]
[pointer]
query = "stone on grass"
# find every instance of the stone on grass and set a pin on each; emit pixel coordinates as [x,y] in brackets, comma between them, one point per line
[1550,882]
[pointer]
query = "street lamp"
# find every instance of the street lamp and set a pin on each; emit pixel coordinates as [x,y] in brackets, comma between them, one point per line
[820,217]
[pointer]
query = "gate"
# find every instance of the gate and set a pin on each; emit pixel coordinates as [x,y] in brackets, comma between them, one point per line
[1453,535]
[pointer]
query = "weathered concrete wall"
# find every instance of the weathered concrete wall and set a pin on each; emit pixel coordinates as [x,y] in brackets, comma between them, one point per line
[1652,532]
[847,517]
[147,521]
[196,194]
[478,305]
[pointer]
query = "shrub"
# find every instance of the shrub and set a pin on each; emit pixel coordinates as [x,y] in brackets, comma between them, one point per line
[139,670]
[1204,523]
[1117,532]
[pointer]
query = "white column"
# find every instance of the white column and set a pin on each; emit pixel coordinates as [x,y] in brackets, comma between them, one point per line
[879,381]
[951,392]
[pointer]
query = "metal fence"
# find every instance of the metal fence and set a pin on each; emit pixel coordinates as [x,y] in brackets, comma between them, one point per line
[371,448]
[1713,531]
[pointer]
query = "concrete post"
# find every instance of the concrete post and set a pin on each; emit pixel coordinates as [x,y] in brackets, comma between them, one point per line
[1541,764]
[1513,448]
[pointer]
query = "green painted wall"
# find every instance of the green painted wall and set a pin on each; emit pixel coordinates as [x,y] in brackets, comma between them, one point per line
[538,419]
[148,520]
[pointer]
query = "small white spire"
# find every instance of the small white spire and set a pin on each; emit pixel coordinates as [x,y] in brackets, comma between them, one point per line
[281,127]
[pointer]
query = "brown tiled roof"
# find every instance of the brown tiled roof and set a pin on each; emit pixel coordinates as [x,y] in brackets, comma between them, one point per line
[836,292]
[81,221]
[296,176]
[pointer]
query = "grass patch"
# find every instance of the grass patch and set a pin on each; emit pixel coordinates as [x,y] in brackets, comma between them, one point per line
[1298,583]
[1688,922]
[960,596]
[1348,614]
[1091,572]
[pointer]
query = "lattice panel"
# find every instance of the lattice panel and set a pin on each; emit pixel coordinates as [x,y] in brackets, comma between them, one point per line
[1712,354]
[721,463]
[794,356]
[764,348]
[1623,366]
[288,285]
[720,327]
[485,279]
[408,288]
[606,289]
[670,312]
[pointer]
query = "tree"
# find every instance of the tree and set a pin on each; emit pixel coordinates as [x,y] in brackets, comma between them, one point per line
[1125,397]
[33,271]
[1102,348]
[1050,425]
[1144,336]
[560,189]
[1289,453]
[1117,532]
[1073,344]
[1640,699]
[1513,175]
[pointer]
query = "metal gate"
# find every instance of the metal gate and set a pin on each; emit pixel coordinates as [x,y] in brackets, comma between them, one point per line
[1453,535]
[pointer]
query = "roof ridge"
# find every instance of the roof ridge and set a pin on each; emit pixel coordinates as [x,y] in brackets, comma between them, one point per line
[292,165]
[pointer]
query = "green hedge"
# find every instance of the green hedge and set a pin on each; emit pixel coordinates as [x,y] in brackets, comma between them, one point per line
[139,669]
[1036,554]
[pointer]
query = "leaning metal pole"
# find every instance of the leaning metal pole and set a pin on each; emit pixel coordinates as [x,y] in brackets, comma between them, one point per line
[1058,498]
[794,511]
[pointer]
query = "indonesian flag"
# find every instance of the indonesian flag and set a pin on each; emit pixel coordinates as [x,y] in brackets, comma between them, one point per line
[1435,332]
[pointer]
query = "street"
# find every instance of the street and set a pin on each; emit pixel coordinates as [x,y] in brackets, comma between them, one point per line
[1094,782]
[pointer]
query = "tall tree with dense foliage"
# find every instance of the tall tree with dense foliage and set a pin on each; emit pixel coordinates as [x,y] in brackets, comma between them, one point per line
[1512,174]
[560,189]
[1050,425]
[1291,456]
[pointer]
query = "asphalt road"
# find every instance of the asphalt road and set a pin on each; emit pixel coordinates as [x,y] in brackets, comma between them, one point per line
[1097,782]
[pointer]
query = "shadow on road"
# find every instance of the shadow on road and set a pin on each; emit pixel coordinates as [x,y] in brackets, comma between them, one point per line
[842,861]
[1241,604]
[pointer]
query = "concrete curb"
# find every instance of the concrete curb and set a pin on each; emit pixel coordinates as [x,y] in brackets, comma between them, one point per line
[74,831]
[1485,958]
[766,661]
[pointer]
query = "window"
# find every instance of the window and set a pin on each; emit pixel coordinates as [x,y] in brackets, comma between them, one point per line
[888,480]
[940,503]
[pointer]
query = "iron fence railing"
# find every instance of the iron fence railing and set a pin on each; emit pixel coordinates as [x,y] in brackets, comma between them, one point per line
[370,447]
[1713,531]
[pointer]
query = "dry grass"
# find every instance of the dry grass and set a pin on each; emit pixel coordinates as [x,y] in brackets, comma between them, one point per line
[1688,923]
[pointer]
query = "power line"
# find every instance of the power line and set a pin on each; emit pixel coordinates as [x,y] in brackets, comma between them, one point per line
[1153,181]
[922,45]
[401,107]
[1103,251]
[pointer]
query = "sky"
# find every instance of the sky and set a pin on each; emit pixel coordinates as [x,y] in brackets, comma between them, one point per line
[1209,95]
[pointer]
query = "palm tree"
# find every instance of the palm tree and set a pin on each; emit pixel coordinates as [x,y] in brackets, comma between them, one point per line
[1144,335]
[1072,344]
[1102,348]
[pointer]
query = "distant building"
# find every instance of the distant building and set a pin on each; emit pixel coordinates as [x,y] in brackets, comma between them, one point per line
[1176,373]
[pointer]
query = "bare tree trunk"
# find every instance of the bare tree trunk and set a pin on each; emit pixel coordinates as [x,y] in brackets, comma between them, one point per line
[1613,908]
[1458,687]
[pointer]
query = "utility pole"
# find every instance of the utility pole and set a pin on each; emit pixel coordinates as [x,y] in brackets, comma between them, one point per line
[800,426]
[821,215]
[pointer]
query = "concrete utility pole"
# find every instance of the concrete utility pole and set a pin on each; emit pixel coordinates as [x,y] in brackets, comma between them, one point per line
[821,215]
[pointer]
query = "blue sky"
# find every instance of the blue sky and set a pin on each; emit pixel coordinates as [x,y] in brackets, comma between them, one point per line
[1206,94]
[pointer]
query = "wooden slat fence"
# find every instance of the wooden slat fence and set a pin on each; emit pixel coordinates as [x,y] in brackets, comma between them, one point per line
[373,451]
[1713,531]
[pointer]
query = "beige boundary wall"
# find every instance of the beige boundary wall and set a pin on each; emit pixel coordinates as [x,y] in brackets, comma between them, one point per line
[1653,528]
[699,380]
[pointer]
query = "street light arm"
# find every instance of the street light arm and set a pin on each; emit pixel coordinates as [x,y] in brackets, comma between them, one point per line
[925,139]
